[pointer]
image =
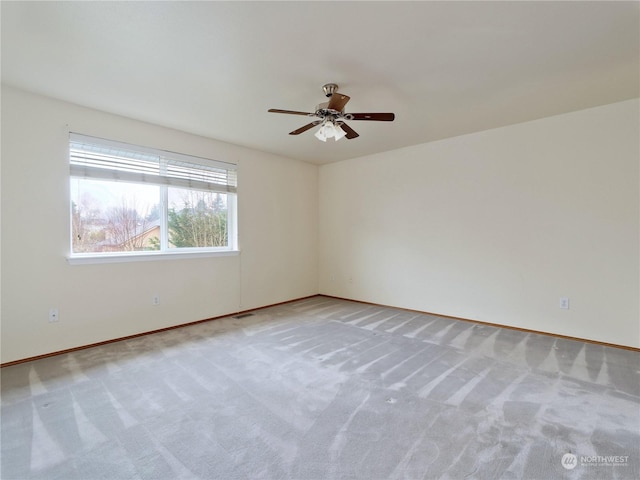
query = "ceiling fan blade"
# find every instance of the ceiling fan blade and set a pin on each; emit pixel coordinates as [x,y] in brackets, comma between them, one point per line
[303,129]
[337,102]
[291,112]
[380,117]
[351,133]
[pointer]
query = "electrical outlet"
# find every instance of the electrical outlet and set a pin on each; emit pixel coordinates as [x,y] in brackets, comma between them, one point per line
[564,303]
[156,299]
[54,316]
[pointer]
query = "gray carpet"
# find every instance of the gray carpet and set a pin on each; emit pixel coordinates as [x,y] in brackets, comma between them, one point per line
[326,389]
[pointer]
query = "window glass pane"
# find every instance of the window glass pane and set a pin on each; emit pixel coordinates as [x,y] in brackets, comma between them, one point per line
[126,198]
[114,217]
[197,219]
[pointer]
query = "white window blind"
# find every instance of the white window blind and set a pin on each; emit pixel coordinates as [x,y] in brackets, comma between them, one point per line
[97,158]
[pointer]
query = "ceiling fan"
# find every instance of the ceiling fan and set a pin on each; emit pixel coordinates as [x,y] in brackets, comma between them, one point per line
[331,116]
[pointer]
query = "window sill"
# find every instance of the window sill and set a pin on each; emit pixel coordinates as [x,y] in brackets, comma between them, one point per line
[146,257]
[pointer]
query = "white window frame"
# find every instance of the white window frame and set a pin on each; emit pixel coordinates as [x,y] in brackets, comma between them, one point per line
[79,168]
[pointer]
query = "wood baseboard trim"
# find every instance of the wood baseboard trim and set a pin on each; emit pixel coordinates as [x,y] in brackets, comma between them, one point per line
[480,322]
[142,334]
[151,332]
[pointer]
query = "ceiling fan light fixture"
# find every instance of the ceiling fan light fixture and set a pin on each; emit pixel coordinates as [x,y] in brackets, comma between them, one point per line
[339,133]
[321,133]
[329,129]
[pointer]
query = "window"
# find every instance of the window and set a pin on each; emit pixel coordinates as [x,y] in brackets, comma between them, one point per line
[130,200]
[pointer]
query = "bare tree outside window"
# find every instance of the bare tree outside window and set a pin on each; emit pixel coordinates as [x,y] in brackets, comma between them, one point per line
[85,225]
[108,217]
[125,229]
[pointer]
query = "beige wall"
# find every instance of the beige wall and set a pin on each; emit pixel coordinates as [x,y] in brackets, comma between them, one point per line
[496,226]
[277,204]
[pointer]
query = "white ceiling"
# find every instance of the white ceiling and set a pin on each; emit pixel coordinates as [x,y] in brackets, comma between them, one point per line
[214,68]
